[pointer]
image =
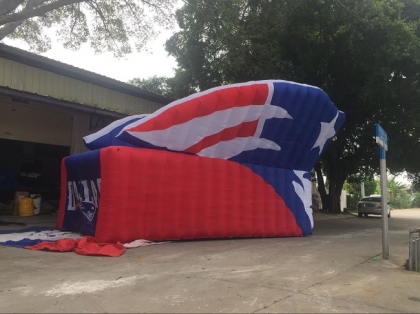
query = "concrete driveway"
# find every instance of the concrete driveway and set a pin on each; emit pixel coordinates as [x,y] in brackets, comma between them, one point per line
[332,271]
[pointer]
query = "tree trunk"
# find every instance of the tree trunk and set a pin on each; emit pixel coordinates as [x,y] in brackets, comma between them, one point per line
[336,181]
[321,186]
[336,178]
[334,195]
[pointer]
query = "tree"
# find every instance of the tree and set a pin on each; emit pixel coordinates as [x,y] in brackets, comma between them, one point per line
[155,84]
[364,53]
[398,197]
[108,24]
[170,87]
[415,203]
[353,188]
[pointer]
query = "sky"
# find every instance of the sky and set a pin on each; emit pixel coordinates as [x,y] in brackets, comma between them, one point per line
[135,65]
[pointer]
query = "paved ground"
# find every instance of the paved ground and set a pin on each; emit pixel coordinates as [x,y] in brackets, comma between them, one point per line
[331,271]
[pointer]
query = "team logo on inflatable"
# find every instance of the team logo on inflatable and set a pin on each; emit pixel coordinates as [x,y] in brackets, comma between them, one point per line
[83,195]
[88,210]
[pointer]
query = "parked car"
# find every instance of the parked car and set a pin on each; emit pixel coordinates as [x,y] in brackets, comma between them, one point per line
[371,205]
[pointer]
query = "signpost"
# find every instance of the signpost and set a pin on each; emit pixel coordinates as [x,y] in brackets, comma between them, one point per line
[382,140]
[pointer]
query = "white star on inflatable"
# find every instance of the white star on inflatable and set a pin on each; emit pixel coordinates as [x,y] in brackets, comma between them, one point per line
[327,132]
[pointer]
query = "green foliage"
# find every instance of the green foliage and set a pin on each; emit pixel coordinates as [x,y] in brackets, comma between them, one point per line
[401,201]
[416,201]
[352,202]
[415,182]
[172,88]
[109,25]
[155,84]
[397,196]
[364,54]
[370,187]
[354,192]
[356,187]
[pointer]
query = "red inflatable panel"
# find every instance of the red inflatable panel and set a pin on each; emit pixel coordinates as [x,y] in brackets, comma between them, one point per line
[160,195]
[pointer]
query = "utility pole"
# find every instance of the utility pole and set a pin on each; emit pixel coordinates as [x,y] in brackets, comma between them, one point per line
[382,140]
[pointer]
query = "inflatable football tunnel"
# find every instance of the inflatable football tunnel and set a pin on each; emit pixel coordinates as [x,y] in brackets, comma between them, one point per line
[232,161]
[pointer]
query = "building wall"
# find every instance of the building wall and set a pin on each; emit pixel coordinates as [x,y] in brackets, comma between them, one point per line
[30,79]
[23,121]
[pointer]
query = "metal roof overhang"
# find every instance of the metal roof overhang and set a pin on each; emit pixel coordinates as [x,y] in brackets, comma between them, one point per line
[31,59]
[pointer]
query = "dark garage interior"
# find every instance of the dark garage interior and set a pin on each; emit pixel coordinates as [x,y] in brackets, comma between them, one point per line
[30,167]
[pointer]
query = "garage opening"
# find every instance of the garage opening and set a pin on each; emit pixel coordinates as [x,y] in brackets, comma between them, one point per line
[30,167]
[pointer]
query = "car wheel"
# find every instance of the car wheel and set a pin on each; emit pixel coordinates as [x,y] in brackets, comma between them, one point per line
[360,215]
[366,215]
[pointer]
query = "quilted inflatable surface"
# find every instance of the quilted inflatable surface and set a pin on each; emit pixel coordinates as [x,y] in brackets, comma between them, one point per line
[232,161]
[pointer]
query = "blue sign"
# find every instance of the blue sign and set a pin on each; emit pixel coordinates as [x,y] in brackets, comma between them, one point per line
[381,137]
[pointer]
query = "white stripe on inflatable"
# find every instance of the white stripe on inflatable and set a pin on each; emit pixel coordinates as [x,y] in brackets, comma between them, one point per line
[228,149]
[214,89]
[193,131]
[304,193]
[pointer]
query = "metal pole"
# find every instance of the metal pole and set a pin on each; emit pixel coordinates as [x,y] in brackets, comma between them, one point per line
[362,189]
[385,244]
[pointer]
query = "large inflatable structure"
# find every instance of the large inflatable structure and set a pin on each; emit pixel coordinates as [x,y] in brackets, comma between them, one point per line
[232,161]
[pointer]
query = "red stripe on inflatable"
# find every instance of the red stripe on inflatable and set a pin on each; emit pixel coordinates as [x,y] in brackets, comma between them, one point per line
[241,130]
[63,196]
[159,195]
[204,105]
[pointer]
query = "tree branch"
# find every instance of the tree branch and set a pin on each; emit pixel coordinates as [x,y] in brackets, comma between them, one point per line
[8,29]
[72,25]
[157,8]
[7,6]
[135,16]
[26,14]
[11,27]
[98,10]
